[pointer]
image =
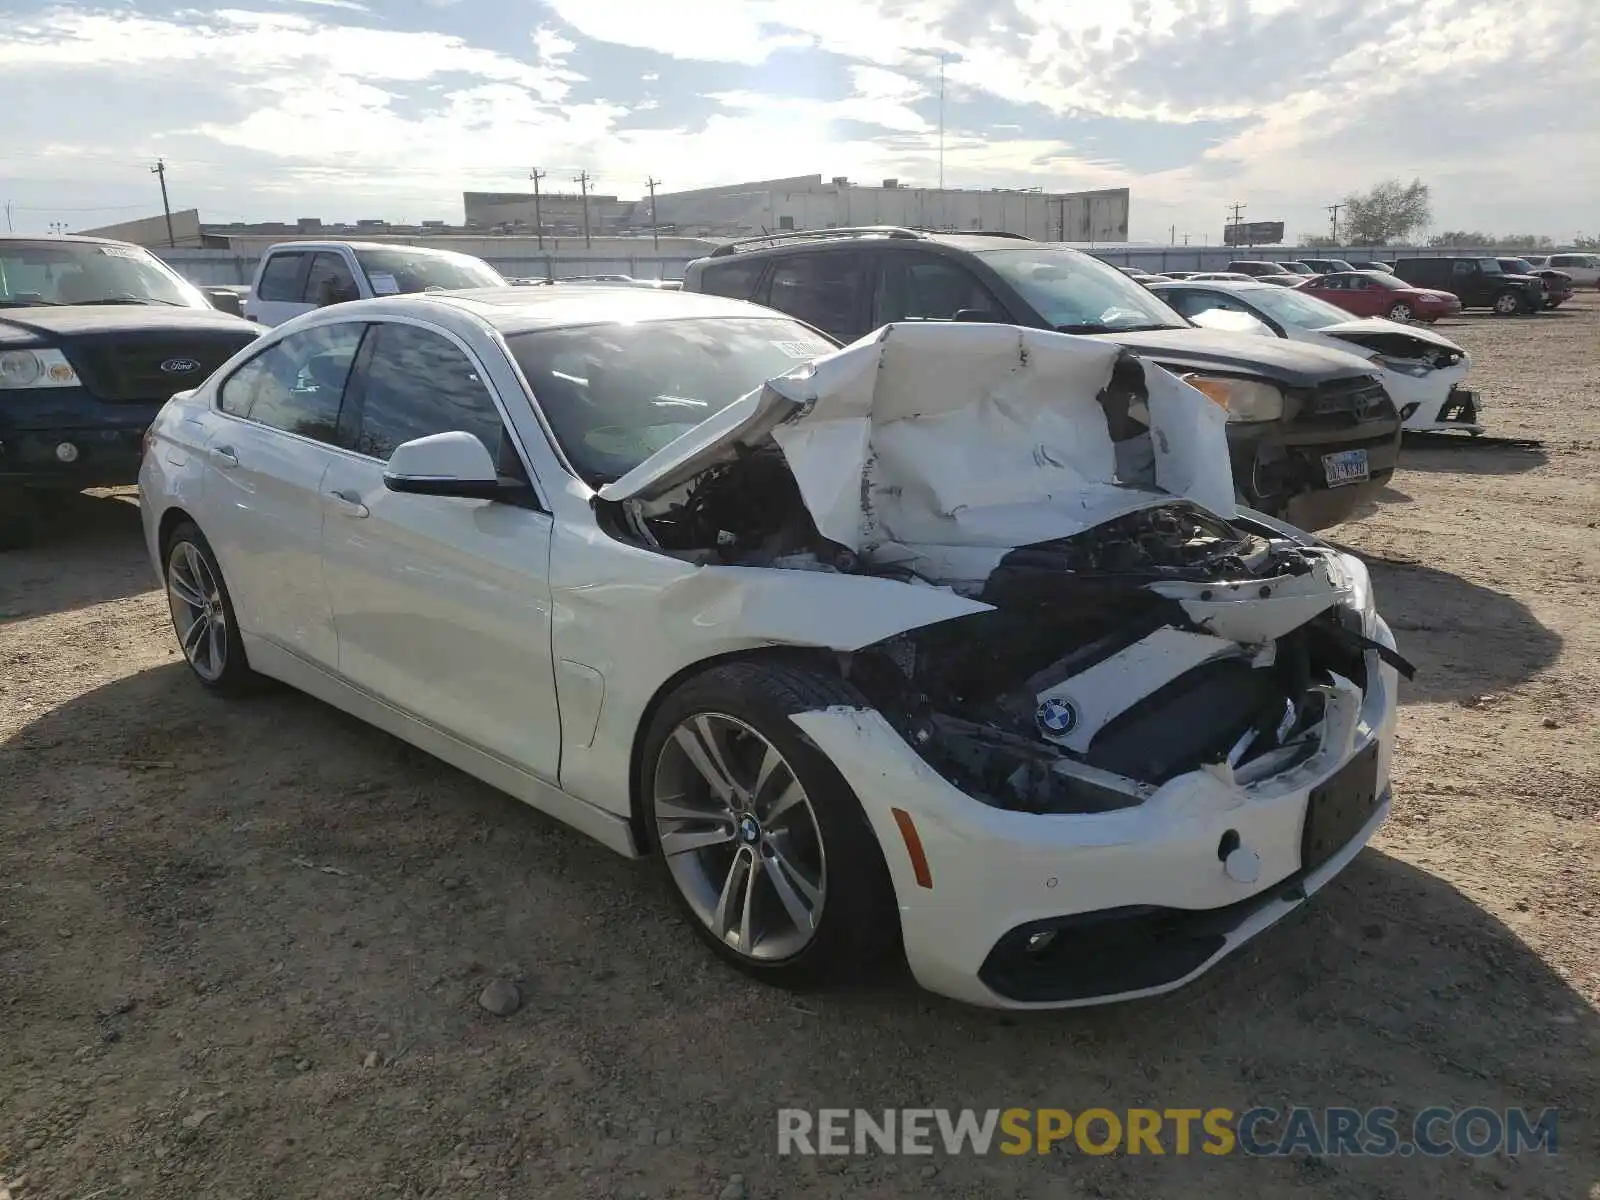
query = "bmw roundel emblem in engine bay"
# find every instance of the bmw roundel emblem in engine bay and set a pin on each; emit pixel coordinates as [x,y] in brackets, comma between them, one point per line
[1057,715]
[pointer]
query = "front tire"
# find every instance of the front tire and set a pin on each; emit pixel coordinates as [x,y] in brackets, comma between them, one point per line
[202,613]
[1400,312]
[766,849]
[1507,304]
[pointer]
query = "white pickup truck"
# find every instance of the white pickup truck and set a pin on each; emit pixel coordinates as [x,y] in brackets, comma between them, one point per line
[296,277]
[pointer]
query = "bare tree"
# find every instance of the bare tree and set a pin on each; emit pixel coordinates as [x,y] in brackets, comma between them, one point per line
[1389,211]
[1317,241]
[1462,237]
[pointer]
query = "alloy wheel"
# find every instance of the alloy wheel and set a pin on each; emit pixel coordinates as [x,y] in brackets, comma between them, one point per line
[1400,312]
[198,614]
[1506,304]
[740,836]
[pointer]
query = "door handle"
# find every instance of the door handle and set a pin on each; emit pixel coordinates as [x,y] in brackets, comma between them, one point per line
[351,501]
[225,455]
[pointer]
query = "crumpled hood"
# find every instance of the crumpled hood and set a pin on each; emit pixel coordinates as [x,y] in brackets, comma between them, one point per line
[942,446]
[1380,325]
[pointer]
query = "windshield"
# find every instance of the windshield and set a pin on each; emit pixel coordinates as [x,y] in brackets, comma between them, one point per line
[405,269]
[1517,266]
[56,271]
[1077,293]
[1490,266]
[1385,280]
[1293,307]
[1295,269]
[615,394]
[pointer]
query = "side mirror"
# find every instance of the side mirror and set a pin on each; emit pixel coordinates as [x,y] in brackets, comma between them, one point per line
[443,464]
[224,300]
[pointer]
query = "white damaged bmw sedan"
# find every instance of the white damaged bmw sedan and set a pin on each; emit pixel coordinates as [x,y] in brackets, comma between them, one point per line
[950,640]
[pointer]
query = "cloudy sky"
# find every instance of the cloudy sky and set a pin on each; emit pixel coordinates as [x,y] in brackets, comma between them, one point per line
[390,108]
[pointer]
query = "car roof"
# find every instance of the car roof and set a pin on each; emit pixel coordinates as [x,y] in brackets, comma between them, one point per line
[65,237]
[337,243]
[809,239]
[1219,285]
[522,309]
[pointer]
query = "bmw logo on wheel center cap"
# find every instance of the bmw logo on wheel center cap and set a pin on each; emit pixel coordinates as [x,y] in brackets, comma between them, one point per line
[1057,715]
[749,830]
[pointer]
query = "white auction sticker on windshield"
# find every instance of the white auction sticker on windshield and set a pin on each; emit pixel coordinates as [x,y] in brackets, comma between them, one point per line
[122,252]
[384,284]
[797,349]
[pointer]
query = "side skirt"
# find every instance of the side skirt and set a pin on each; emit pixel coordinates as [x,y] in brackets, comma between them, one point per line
[607,828]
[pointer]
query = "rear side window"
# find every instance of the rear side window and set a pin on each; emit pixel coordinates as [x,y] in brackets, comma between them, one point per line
[280,279]
[329,280]
[416,383]
[736,280]
[823,290]
[297,384]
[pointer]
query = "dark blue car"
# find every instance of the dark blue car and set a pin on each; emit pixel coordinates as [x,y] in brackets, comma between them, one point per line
[94,337]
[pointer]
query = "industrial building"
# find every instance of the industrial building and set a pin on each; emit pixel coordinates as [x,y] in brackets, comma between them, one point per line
[676,225]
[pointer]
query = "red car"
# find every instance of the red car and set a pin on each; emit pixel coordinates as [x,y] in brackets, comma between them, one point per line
[1376,294]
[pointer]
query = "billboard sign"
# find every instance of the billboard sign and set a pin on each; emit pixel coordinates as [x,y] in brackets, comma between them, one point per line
[1253,233]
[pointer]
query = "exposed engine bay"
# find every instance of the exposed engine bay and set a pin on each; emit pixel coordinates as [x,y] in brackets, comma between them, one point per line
[1136,628]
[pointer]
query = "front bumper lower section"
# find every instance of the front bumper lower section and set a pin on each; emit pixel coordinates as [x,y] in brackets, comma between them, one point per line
[1135,902]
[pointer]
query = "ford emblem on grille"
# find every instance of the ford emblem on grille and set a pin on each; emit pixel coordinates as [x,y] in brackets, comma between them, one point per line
[180,366]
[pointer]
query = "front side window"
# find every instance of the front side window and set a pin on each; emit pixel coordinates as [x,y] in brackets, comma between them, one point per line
[393,270]
[918,287]
[1077,293]
[1490,266]
[417,383]
[1461,267]
[58,271]
[297,383]
[329,280]
[615,394]
[824,290]
[280,278]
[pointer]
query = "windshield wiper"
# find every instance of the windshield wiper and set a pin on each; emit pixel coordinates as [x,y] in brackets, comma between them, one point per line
[127,300]
[30,304]
[1094,327]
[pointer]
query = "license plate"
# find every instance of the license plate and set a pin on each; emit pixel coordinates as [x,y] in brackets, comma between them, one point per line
[1347,466]
[1340,809]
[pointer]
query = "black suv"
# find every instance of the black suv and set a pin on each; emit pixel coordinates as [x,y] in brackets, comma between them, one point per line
[94,338]
[1313,434]
[1479,282]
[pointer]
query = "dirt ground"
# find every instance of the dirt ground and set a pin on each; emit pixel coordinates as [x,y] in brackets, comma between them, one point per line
[241,943]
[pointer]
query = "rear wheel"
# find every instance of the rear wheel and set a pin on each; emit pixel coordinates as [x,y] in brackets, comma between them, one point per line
[1507,304]
[1400,311]
[767,850]
[202,613]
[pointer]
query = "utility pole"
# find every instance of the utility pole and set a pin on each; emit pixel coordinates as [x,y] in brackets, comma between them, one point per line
[1236,210]
[10,228]
[1334,210]
[538,220]
[1172,235]
[582,181]
[655,237]
[941,128]
[160,172]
